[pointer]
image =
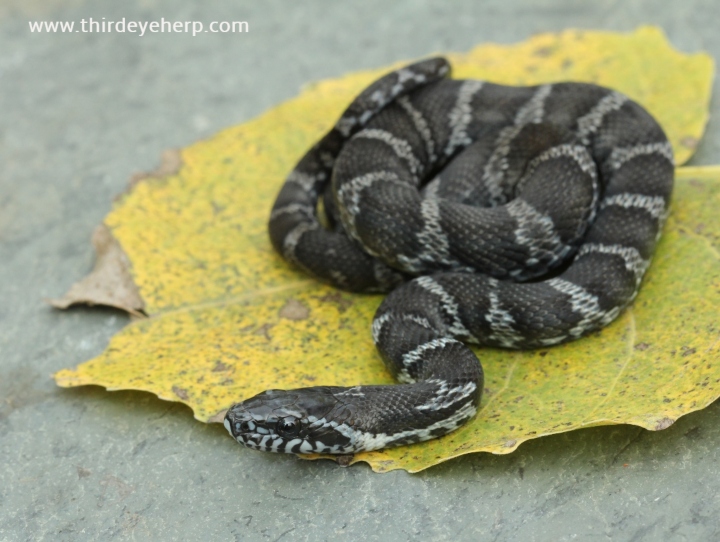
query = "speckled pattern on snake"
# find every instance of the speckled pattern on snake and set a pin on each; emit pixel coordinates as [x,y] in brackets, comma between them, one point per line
[513,217]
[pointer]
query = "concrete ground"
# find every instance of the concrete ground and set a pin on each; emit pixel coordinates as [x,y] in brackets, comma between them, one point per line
[80,112]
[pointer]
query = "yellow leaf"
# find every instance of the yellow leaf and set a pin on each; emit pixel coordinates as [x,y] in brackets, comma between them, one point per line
[229,318]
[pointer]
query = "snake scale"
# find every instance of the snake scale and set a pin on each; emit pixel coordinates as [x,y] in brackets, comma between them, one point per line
[514,217]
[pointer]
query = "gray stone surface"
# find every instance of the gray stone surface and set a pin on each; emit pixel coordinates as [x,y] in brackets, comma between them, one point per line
[79,113]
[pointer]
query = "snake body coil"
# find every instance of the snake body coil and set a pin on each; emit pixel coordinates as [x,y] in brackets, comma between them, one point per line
[528,216]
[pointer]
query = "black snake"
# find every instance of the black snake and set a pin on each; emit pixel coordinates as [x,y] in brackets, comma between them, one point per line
[528,216]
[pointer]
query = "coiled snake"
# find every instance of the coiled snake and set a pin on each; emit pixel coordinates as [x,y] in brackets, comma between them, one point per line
[528,216]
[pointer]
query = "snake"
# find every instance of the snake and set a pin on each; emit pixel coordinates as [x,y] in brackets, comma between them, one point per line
[516,217]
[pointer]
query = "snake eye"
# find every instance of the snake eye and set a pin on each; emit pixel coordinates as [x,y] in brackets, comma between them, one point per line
[288,427]
[244,427]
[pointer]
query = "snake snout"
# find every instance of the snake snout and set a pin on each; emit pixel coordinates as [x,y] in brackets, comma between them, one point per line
[266,421]
[238,421]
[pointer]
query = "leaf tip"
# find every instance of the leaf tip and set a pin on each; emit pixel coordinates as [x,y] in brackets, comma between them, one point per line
[110,282]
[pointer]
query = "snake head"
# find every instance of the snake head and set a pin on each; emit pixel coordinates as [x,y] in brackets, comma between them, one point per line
[293,421]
